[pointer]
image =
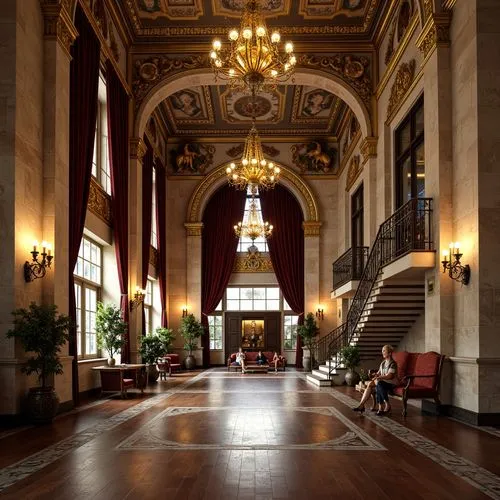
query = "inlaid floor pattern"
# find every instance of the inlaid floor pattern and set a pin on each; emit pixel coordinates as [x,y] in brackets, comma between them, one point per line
[213,434]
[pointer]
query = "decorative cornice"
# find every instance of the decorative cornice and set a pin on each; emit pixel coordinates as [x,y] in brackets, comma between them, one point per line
[311,228]
[355,168]
[193,228]
[238,150]
[58,24]
[153,256]
[428,8]
[253,262]
[401,85]
[368,148]
[436,33]
[138,148]
[100,203]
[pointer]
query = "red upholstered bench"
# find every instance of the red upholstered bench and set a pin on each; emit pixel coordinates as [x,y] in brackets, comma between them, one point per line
[113,381]
[168,364]
[419,375]
[251,363]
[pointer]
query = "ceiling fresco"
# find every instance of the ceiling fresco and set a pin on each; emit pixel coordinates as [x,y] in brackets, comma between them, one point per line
[203,19]
[286,112]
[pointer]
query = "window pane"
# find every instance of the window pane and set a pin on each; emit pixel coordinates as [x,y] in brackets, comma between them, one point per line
[273,305]
[233,293]
[246,293]
[233,305]
[219,306]
[286,307]
[420,171]
[419,120]
[259,305]
[78,301]
[290,331]
[246,305]
[259,293]
[273,293]
[404,138]
[406,180]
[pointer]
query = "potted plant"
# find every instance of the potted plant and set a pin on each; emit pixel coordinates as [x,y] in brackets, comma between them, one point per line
[151,348]
[308,331]
[41,332]
[191,330]
[351,359]
[110,330]
[167,337]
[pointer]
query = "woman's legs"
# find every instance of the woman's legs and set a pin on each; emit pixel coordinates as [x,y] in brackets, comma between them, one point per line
[383,388]
[367,393]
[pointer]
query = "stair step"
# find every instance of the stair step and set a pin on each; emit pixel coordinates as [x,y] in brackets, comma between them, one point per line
[396,298]
[320,374]
[391,314]
[396,305]
[390,290]
[320,382]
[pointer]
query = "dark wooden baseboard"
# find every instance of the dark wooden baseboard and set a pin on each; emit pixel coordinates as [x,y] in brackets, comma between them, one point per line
[461,414]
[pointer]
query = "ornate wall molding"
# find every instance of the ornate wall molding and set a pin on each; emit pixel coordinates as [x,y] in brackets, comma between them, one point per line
[311,228]
[138,148]
[193,228]
[253,262]
[100,203]
[369,148]
[402,83]
[436,33]
[238,150]
[428,8]
[355,169]
[58,24]
[308,203]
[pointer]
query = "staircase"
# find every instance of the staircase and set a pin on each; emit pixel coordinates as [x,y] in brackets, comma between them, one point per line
[383,308]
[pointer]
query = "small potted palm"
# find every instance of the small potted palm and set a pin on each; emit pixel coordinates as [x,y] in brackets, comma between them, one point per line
[167,337]
[191,330]
[351,359]
[151,347]
[110,330]
[42,332]
[308,331]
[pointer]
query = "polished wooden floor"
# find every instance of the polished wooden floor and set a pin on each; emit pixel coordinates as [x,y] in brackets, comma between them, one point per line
[218,435]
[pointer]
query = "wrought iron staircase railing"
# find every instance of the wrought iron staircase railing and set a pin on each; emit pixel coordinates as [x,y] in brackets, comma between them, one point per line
[349,266]
[409,229]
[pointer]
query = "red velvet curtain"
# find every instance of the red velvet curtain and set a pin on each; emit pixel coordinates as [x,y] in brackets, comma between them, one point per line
[84,78]
[219,245]
[161,231]
[117,106]
[147,201]
[286,248]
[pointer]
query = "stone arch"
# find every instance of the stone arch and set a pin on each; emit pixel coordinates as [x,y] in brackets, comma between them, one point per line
[205,76]
[218,177]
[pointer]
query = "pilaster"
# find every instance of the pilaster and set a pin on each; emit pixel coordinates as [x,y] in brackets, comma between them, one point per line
[311,265]
[193,266]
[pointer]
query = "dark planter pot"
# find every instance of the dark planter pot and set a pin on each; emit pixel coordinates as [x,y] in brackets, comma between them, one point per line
[42,404]
[190,362]
[351,378]
[153,373]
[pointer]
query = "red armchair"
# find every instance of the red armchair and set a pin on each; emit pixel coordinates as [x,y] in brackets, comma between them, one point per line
[168,364]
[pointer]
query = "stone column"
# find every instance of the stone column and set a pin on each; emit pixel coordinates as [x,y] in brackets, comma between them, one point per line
[312,266]
[369,161]
[137,151]
[59,35]
[434,44]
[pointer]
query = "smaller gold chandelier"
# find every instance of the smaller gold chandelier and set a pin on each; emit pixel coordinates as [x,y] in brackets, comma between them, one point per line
[254,227]
[253,169]
[253,60]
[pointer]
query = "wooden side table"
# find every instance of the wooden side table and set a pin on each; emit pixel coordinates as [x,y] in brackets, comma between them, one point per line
[113,378]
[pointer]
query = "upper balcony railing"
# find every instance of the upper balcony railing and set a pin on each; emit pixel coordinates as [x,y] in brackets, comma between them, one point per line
[349,266]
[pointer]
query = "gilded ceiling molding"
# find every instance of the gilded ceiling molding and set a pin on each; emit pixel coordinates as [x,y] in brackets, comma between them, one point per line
[238,150]
[352,69]
[428,8]
[206,186]
[193,228]
[369,148]
[436,33]
[253,262]
[58,24]
[355,169]
[402,83]
[311,228]
[138,148]
[100,203]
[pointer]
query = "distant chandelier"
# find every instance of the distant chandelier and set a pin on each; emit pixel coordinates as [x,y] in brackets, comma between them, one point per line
[253,169]
[255,227]
[253,60]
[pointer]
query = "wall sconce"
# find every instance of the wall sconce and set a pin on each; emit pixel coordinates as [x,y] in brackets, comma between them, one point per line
[456,271]
[138,298]
[37,268]
[319,312]
[184,311]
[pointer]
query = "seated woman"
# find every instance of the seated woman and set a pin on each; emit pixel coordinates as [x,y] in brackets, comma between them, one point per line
[383,381]
[261,359]
[276,359]
[240,359]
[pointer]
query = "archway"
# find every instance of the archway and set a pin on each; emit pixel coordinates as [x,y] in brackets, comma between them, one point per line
[205,76]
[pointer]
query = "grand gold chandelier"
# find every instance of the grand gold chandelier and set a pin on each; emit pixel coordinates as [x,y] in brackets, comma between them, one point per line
[253,169]
[253,60]
[254,227]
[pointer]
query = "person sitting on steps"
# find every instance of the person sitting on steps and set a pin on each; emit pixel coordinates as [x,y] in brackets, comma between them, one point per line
[384,381]
[261,359]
